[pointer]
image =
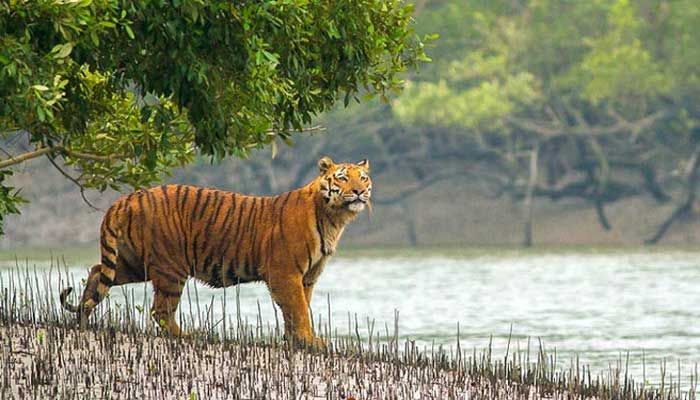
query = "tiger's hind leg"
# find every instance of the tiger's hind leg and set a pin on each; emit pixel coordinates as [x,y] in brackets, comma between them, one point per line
[100,279]
[113,270]
[166,298]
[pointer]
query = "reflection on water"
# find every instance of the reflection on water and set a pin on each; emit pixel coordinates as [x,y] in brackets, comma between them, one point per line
[597,305]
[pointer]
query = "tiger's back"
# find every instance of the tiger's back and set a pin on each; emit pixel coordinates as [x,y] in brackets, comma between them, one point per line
[176,231]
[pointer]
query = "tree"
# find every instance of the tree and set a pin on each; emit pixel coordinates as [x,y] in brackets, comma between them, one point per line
[122,91]
[590,100]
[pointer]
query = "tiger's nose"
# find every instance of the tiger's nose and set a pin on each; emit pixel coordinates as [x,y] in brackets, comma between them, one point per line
[358,192]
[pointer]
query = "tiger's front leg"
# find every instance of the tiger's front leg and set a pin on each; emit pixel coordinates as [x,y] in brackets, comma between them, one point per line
[289,294]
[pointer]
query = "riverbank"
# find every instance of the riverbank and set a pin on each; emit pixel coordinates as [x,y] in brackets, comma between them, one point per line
[55,361]
[236,354]
[60,362]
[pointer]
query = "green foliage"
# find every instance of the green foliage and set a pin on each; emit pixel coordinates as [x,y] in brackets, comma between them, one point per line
[580,58]
[9,199]
[125,90]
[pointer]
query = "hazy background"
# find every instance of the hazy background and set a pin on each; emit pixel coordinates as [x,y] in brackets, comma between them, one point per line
[451,156]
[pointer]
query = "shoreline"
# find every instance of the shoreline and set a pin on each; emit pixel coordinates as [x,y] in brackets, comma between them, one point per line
[58,361]
[89,253]
[55,361]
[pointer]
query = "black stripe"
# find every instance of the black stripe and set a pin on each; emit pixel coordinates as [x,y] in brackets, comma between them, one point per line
[320,234]
[227,226]
[195,253]
[225,244]
[254,242]
[251,215]
[130,215]
[104,279]
[211,239]
[154,222]
[96,297]
[215,279]
[197,198]
[108,263]
[166,200]
[219,201]
[177,194]
[231,274]
[212,218]
[106,246]
[249,222]
[206,264]
[237,230]
[142,225]
[183,237]
[185,196]
[169,222]
[281,214]
[108,221]
[151,199]
[110,231]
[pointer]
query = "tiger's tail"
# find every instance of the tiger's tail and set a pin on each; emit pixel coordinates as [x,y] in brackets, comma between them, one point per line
[101,277]
[91,295]
[64,301]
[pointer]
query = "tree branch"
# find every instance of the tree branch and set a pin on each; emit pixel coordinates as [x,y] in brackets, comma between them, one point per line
[88,156]
[70,178]
[582,128]
[10,161]
[304,130]
[424,183]
[692,171]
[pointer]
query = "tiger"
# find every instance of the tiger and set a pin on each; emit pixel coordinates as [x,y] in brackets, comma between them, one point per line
[170,233]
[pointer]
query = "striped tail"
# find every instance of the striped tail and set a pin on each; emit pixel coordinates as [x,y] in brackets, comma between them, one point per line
[64,301]
[94,292]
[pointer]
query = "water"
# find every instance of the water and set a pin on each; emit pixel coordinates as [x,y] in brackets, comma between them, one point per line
[598,306]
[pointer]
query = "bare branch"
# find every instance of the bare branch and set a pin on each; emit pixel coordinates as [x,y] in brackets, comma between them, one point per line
[536,127]
[621,125]
[70,178]
[88,156]
[8,162]
[304,130]
[423,184]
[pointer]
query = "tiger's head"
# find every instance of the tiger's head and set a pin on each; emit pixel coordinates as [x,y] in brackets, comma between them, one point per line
[345,185]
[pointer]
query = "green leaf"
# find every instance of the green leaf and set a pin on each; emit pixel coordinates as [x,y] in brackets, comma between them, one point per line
[129,32]
[151,100]
[62,50]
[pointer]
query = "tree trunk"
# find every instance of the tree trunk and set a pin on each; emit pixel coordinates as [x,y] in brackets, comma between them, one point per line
[685,208]
[410,225]
[529,200]
[652,185]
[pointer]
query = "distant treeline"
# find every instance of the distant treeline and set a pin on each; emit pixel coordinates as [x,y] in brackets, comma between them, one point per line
[594,102]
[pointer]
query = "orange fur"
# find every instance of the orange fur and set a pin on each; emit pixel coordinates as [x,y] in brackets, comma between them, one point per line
[169,233]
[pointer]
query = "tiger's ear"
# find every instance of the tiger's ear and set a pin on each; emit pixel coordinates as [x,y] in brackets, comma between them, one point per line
[324,164]
[364,163]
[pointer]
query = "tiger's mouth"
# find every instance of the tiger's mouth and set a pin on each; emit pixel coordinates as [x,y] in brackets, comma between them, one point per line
[355,205]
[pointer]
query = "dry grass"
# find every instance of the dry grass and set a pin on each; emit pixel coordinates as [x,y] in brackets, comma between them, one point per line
[121,356]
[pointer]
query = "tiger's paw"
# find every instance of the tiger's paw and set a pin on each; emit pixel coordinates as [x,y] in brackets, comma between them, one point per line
[315,342]
[318,343]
